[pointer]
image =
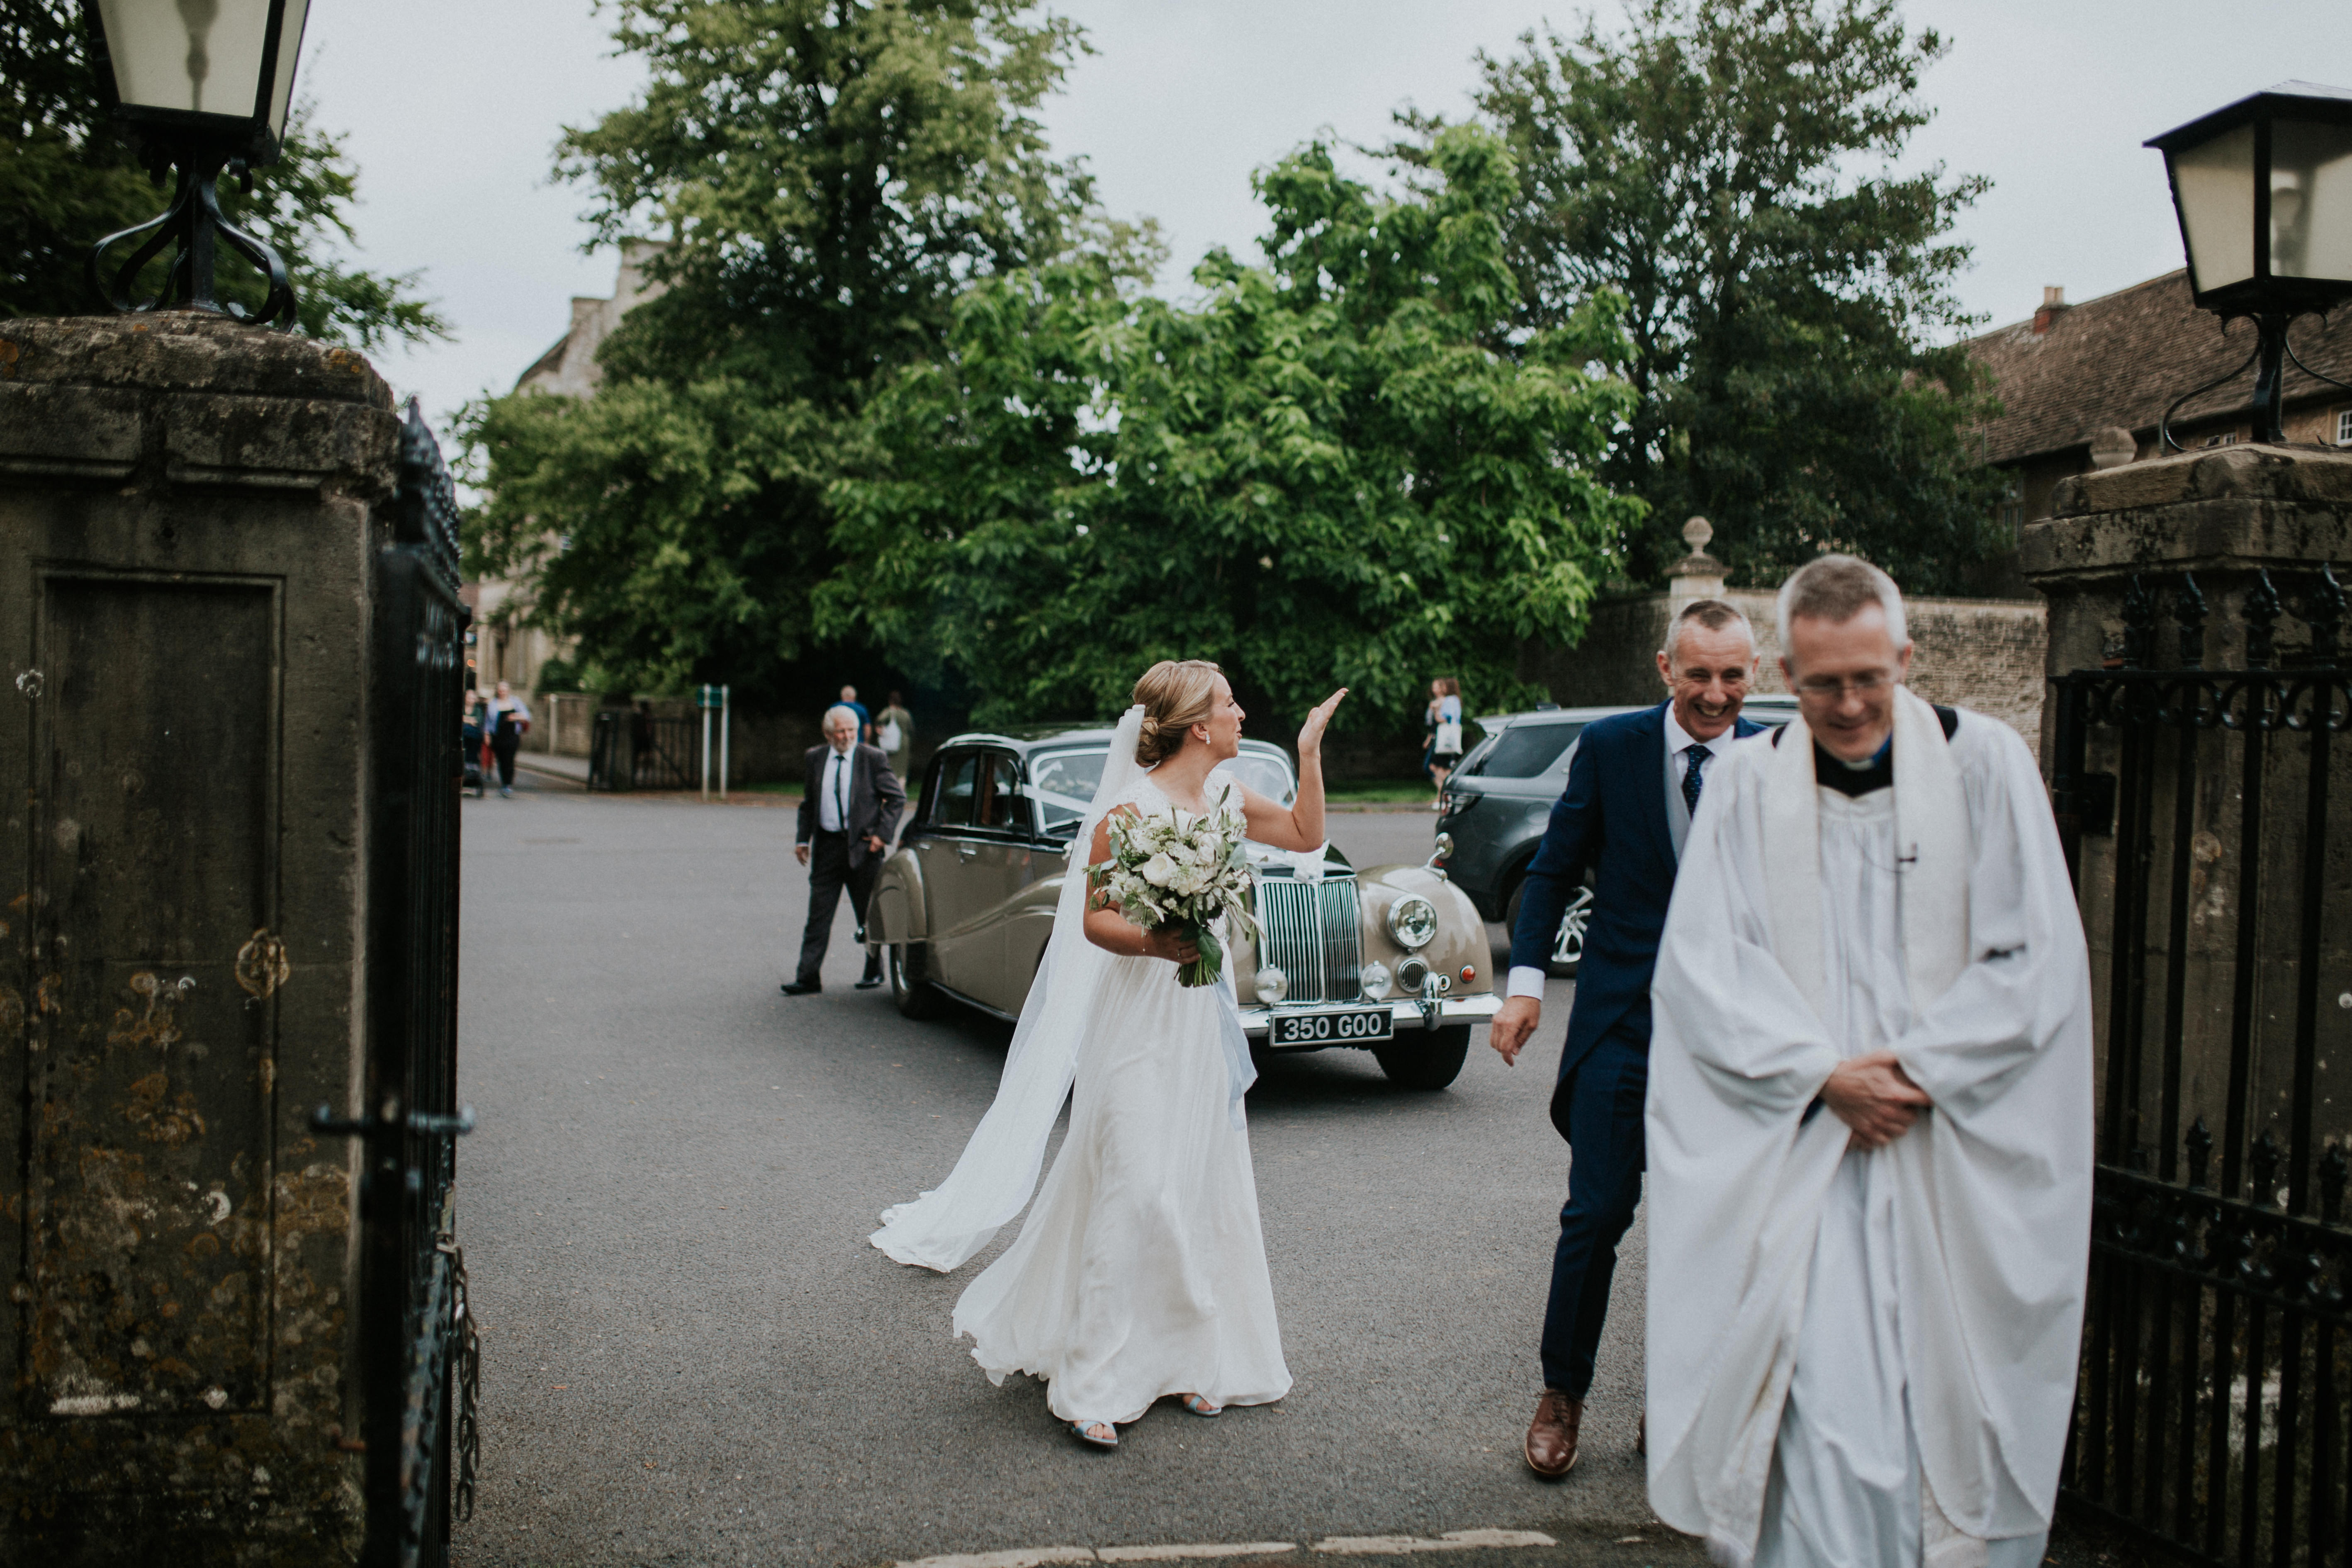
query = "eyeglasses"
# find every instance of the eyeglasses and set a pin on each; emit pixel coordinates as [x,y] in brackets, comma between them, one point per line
[1828,688]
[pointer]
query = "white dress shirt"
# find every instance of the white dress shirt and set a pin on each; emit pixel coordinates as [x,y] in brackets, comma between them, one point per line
[833,800]
[1527,979]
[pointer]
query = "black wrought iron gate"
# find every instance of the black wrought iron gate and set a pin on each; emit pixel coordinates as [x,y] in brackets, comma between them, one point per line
[418,1356]
[2216,1392]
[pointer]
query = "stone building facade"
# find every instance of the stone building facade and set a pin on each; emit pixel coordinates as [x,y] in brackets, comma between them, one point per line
[506,647]
[2083,387]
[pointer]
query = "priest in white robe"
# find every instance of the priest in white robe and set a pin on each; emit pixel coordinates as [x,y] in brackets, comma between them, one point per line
[1869,1127]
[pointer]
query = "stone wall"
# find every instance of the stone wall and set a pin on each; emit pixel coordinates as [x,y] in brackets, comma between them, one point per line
[1985,654]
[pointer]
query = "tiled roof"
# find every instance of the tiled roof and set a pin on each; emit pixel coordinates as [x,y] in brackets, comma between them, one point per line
[2120,359]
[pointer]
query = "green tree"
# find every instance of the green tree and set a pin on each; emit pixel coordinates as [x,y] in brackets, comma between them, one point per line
[69,177]
[1333,470]
[1724,169]
[830,174]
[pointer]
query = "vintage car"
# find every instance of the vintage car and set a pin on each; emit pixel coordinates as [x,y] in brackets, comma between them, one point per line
[1498,802]
[1389,959]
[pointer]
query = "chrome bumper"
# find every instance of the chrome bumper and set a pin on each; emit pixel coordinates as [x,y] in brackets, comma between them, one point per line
[1409,1013]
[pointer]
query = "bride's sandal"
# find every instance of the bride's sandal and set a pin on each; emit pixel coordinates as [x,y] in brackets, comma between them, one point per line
[1094,1433]
[1197,1405]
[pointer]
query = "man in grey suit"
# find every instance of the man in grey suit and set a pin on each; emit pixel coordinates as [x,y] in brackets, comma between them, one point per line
[848,812]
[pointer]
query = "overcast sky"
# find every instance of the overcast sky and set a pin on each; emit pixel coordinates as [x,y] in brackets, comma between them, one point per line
[452,108]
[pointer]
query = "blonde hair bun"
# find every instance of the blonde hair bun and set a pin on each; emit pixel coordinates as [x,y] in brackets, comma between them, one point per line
[1176,694]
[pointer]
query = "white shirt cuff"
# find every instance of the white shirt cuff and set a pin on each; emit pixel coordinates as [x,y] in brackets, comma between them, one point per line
[1526,980]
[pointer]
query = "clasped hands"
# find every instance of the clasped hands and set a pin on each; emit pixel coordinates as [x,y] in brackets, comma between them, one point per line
[1875,1097]
[1871,1094]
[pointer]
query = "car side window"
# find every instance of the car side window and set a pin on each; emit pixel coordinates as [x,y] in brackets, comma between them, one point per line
[958,786]
[998,803]
[1529,751]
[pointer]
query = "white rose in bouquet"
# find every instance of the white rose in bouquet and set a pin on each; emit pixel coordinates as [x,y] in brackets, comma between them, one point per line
[1169,873]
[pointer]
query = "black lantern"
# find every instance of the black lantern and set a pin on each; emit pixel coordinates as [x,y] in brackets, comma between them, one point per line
[205,86]
[2263,189]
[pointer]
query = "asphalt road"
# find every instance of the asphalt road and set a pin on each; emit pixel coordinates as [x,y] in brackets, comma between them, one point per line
[692,1356]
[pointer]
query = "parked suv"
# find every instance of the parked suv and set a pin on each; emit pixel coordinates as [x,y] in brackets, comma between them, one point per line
[1498,802]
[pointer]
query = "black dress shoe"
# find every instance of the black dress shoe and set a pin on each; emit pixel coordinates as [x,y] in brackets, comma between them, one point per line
[866,982]
[800,987]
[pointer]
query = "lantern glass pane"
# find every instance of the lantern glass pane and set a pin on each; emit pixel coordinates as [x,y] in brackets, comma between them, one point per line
[2214,182]
[289,46]
[2311,200]
[202,56]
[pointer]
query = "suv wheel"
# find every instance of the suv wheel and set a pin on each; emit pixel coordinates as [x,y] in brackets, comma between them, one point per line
[1568,942]
[1425,1058]
[908,989]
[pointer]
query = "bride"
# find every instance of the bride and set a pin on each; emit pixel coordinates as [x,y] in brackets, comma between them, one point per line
[1141,1274]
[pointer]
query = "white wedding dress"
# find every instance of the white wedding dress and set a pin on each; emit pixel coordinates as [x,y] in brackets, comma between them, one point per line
[1140,1271]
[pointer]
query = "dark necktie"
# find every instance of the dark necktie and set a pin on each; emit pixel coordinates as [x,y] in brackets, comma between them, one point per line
[841,791]
[1695,778]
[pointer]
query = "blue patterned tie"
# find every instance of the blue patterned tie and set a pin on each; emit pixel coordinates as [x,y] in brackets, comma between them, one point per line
[1695,778]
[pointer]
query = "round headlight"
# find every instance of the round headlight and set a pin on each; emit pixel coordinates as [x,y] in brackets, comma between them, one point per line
[1273,986]
[1413,921]
[1375,978]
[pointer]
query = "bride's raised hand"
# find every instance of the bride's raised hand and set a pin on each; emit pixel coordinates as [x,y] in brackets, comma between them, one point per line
[1310,734]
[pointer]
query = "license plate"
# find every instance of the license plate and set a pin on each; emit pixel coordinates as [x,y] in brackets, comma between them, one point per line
[1350,1028]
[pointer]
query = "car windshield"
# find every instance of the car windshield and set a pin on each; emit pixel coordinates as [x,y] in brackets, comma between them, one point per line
[1526,751]
[1269,775]
[1063,783]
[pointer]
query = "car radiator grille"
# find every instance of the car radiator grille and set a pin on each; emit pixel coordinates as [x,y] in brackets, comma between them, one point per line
[1312,935]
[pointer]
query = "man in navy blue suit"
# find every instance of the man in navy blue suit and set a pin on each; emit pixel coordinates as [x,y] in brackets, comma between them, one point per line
[1632,787]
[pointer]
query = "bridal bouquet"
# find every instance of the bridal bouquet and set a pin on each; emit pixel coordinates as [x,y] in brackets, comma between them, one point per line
[1167,874]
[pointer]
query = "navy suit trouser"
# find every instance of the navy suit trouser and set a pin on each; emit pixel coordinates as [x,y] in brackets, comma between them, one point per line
[1603,1095]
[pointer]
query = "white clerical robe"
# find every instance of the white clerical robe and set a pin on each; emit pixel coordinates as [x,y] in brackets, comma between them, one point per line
[1867,1356]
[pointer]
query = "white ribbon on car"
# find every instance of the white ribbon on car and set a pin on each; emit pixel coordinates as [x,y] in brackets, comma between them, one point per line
[1055,797]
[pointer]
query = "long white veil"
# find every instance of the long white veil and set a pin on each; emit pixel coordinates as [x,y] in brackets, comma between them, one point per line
[998,1171]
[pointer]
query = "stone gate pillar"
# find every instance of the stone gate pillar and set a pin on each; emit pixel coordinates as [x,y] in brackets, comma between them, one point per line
[188,512]
[2240,1047]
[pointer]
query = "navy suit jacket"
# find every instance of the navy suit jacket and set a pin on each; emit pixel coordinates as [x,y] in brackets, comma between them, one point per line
[1612,821]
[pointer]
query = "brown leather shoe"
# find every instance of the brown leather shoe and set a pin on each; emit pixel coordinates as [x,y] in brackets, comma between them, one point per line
[1551,1436]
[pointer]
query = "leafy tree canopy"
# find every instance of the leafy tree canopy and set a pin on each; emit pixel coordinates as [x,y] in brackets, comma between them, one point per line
[1337,469]
[1723,167]
[69,178]
[830,174]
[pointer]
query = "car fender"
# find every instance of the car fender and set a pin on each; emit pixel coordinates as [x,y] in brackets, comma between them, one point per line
[898,912]
[1461,940]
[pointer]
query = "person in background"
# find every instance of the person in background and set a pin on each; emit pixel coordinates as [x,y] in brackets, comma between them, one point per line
[470,741]
[1444,730]
[849,812]
[865,720]
[894,732]
[508,719]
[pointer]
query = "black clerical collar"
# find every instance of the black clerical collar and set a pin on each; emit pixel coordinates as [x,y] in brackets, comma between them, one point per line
[1832,771]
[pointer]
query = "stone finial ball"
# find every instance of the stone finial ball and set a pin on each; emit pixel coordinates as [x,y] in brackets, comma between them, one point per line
[1696,532]
[2112,447]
